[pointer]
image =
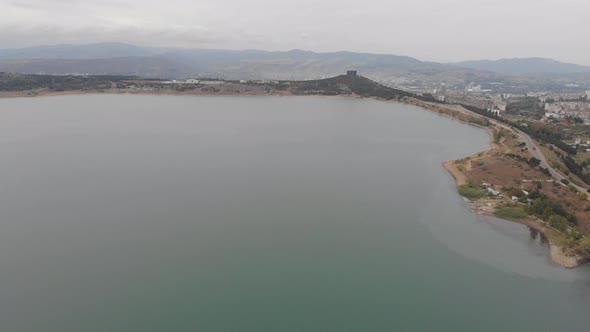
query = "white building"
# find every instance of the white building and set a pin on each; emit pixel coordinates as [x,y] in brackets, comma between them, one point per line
[493,192]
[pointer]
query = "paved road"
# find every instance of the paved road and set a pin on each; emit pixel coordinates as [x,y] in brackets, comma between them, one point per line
[536,151]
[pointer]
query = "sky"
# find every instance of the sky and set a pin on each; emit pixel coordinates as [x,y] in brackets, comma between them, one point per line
[431,30]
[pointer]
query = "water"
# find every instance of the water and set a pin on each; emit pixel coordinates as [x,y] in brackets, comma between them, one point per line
[144,213]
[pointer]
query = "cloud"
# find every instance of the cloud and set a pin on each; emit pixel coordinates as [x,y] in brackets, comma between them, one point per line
[158,36]
[439,30]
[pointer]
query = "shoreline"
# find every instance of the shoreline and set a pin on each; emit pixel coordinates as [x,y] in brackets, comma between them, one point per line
[486,208]
[44,93]
[482,208]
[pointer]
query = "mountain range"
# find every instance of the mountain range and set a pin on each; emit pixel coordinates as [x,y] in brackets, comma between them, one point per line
[524,66]
[118,58]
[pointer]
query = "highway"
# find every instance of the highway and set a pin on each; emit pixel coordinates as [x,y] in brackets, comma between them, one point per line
[533,148]
[536,151]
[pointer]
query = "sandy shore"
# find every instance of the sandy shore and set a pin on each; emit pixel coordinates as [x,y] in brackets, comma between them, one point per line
[460,178]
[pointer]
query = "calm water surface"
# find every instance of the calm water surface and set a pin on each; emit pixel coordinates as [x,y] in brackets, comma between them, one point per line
[142,213]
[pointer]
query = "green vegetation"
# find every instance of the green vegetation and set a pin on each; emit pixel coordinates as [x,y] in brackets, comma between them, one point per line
[575,235]
[511,212]
[544,134]
[526,106]
[533,162]
[544,208]
[21,82]
[548,135]
[577,169]
[498,134]
[479,121]
[558,222]
[472,191]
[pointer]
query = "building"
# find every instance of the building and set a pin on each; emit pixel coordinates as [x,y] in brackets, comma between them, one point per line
[351,73]
[560,110]
[588,95]
[495,111]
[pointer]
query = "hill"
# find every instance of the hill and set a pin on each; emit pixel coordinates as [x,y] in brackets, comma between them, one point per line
[340,85]
[89,51]
[524,66]
[343,84]
[146,66]
[116,58]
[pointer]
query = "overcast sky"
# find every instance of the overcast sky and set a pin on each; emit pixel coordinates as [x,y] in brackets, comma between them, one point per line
[437,30]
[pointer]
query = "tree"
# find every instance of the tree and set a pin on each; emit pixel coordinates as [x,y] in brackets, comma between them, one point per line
[558,222]
[575,235]
[538,207]
[547,213]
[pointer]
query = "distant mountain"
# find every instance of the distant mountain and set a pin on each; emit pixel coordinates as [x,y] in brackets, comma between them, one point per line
[145,66]
[89,51]
[116,58]
[524,66]
[509,75]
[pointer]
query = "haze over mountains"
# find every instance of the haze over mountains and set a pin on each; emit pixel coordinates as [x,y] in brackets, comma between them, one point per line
[118,58]
[523,66]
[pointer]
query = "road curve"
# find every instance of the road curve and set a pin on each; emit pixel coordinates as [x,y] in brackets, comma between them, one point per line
[536,151]
[533,148]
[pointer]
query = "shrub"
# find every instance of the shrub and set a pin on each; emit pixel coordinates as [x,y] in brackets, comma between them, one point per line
[511,212]
[558,222]
[472,191]
[575,235]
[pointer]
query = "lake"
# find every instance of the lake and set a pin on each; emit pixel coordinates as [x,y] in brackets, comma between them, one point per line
[155,213]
